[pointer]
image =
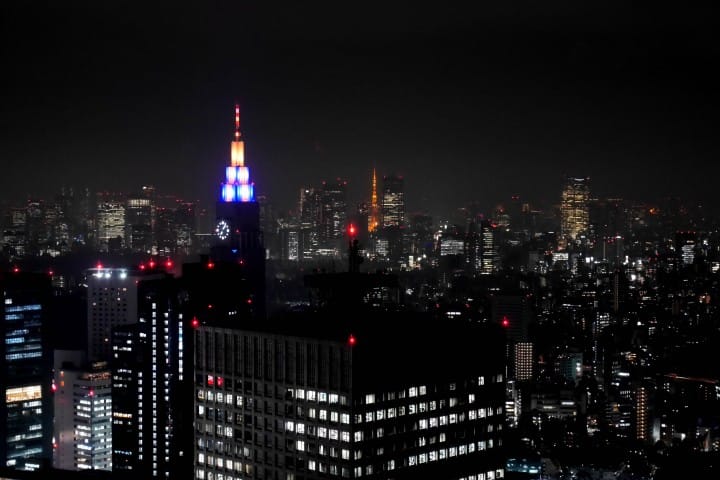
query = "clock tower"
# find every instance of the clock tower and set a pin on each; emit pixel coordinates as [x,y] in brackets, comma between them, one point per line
[237,227]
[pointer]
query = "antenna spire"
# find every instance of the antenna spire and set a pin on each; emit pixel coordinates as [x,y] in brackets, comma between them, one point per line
[237,122]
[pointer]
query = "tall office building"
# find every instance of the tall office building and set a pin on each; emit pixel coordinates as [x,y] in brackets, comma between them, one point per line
[574,210]
[152,431]
[139,216]
[110,225]
[301,398]
[83,413]
[489,256]
[298,395]
[111,301]
[237,229]
[393,201]
[333,213]
[523,364]
[25,415]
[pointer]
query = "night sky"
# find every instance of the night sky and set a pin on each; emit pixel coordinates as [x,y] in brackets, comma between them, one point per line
[466,104]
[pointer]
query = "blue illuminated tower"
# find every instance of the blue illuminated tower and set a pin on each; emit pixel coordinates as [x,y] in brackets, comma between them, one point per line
[238,237]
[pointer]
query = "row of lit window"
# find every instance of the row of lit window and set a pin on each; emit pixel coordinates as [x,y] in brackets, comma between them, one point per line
[220,462]
[317,396]
[422,407]
[450,452]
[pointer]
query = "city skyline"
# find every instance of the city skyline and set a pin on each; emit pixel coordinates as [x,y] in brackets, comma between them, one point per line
[512,97]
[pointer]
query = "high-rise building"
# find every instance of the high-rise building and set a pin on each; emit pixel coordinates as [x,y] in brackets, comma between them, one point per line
[83,413]
[237,229]
[489,256]
[139,224]
[574,210]
[298,395]
[110,225]
[301,398]
[25,415]
[642,417]
[523,364]
[152,431]
[111,301]
[333,213]
[393,201]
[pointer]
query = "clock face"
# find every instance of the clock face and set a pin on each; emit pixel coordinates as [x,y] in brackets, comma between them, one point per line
[222,230]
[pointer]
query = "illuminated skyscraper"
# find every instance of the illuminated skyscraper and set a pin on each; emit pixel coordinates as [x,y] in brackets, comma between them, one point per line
[237,229]
[574,210]
[150,376]
[300,397]
[393,201]
[139,224]
[523,364]
[333,213]
[489,256]
[83,413]
[25,418]
[110,225]
[111,301]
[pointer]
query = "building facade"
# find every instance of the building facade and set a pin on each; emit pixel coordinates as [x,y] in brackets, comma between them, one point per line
[285,404]
[25,415]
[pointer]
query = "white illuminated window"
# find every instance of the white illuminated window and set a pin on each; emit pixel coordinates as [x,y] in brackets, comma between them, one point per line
[300,445]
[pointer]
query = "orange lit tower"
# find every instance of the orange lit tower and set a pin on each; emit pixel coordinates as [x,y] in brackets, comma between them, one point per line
[374,213]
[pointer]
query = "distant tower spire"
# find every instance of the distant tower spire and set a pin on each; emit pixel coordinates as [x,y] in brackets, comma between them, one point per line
[237,122]
[237,147]
[237,186]
[373,220]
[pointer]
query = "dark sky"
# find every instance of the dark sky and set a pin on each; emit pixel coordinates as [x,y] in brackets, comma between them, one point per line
[467,103]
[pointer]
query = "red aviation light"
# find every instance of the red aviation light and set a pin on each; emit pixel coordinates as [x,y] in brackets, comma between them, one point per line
[352,231]
[142,266]
[152,263]
[91,393]
[352,340]
[169,263]
[210,264]
[16,269]
[99,265]
[505,322]
[194,323]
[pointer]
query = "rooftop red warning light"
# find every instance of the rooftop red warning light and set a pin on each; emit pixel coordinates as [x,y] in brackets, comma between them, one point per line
[505,322]
[352,340]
